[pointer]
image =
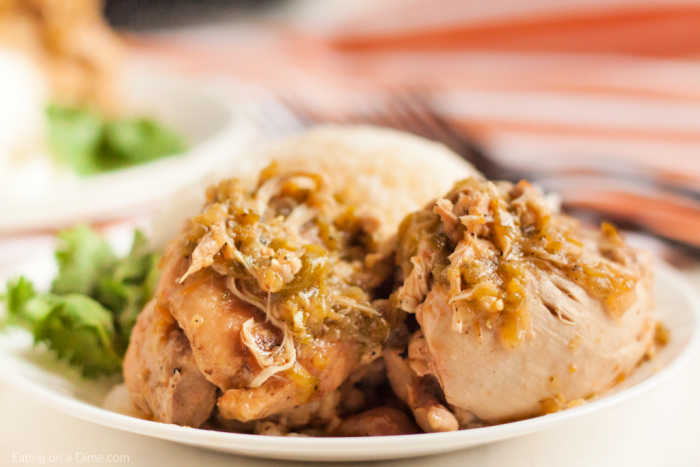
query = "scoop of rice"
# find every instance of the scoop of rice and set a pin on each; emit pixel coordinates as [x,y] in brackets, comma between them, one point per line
[385,172]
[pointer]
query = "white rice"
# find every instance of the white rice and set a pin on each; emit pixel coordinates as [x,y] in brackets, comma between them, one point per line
[386,172]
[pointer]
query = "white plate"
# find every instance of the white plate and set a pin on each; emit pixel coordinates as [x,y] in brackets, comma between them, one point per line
[35,373]
[213,119]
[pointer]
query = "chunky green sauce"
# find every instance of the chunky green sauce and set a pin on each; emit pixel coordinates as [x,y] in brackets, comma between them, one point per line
[511,231]
[311,276]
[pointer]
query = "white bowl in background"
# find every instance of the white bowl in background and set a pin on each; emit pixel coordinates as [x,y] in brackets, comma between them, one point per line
[214,119]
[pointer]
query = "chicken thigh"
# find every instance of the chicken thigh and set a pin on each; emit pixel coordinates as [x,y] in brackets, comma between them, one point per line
[523,310]
[161,374]
[269,286]
[273,285]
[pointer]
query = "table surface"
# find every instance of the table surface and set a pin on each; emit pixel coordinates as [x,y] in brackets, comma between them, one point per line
[656,429]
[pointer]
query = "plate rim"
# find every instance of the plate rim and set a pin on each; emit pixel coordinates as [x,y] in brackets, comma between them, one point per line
[337,448]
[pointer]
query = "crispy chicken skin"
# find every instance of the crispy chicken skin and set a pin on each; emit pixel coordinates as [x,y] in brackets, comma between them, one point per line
[160,372]
[522,309]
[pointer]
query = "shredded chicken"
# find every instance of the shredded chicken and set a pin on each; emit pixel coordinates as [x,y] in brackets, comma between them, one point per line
[502,294]
[277,298]
[417,392]
[272,362]
[496,233]
[268,286]
[417,283]
[380,421]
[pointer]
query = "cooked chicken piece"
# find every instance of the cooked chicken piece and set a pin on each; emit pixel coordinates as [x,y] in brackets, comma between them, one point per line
[272,282]
[363,389]
[306,381]
[211,318]
[323,416]
[315,417]
[384,173]
[320,413]
[161,373]
[419,394]
[252,404]
[265,285]
[526,310]
[381,421]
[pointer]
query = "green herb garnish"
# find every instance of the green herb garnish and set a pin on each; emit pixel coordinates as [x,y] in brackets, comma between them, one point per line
[91,143]
[94,300]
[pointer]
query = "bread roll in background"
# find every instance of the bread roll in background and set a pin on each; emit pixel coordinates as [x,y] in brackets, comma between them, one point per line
[79,53]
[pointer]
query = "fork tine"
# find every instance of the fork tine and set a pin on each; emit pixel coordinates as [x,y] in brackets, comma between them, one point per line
[419,112]
[442,128]
[458,140]
[408,109]
[419,116]
[303,113]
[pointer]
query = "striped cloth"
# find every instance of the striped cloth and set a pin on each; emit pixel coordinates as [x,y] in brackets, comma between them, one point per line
[543,83]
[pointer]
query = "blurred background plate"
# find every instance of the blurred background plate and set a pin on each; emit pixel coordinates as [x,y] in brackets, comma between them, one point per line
[215,120]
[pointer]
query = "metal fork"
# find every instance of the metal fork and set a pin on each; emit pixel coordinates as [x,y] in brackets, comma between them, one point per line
[412,111]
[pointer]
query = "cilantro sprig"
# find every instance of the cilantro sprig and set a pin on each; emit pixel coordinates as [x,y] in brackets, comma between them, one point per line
[87,316]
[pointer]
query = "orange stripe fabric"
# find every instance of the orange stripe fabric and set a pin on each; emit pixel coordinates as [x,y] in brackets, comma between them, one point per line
[656,31]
